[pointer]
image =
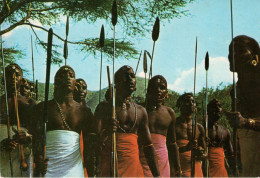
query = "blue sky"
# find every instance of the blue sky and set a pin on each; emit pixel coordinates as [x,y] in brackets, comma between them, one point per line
[174,55]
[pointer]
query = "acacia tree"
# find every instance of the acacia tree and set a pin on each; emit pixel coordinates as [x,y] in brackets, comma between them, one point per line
[135,18]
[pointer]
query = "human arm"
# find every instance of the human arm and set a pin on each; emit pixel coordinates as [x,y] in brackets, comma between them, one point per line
[238,121]
[146,141]
[230,152]
[201,152]
[173,149]
[41,164]
[89,141]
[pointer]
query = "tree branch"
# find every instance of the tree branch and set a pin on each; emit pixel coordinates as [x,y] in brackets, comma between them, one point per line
[21,22]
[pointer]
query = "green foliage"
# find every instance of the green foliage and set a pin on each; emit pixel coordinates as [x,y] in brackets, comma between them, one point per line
[135,18]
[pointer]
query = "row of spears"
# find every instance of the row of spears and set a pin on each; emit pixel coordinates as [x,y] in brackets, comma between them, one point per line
[155,36]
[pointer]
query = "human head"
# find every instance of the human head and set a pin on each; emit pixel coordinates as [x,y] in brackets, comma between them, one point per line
[214,110]
[125,80]
[80,91]
[246,54]
[157,89]
[25,88]
[65,79]
[185,103]
[13,71]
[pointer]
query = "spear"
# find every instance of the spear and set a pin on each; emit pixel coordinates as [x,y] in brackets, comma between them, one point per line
[138,62]
[23,164]
[194,124]
[32,62]
[206,109]
[155,36]
[145,69]
[101,43]
[65,49]
[7,106]
[235,91]
[113,153]
[47,84]
[36,90]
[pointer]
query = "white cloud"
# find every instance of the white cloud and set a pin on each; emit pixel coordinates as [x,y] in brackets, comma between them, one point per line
[141,74]
[218,73]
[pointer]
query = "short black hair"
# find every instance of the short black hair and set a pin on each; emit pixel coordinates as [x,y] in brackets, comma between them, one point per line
[182,98]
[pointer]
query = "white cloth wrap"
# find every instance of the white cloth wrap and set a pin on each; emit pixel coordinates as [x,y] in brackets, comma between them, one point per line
[63,151]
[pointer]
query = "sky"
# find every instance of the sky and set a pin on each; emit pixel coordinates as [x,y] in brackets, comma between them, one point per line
[174,54]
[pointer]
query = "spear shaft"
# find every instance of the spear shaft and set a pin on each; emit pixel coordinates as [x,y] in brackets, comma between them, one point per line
[138,62]
[7,105]
[32,62]
[151,68]
[206,111]
[235,91]
[114,152]
[194,124]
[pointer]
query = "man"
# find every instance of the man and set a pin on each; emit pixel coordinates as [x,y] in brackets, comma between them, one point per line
[245,51]
[185,142]
[66,120]
[132,124]
[19,108]
[25,88]
[219,140]
[162,127]
[79,95]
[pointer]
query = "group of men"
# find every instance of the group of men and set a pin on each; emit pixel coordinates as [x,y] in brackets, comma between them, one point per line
[150,140]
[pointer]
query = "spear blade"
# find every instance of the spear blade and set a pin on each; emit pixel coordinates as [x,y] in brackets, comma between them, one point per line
[67,26]
[207,61]
[114,13]
[102,37]
[65,50]
[156,29]
[145,62]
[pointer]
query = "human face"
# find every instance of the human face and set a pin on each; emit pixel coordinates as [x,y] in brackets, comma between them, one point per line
[215,112]
[81,90]
[13,78]
[128,81]
[188,105]
[66,79]
[158,91]
[25,88]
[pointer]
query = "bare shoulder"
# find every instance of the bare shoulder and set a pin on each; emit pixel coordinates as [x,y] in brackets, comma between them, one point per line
[170,110]
[140,108]
[200,127]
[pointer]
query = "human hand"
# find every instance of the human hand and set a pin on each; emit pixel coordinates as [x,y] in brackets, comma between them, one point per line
[41,166]
[21,137]
[8,144]
[235,119]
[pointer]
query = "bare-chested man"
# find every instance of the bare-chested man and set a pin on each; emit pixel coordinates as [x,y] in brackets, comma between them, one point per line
[162,127]
[79,95]
[22,109]
[66,120]
[132,124]
[246,56]
[219,140]
[184,136]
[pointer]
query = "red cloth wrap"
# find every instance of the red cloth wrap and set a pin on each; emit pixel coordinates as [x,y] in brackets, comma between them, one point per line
[185,159]
[217,162]
[81,150]
[127,154]
[159,143]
